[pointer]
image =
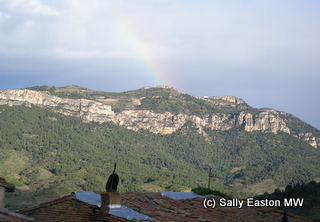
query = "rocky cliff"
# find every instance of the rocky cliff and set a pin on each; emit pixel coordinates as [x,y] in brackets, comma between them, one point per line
[88,110]
[267,120]
[101,110]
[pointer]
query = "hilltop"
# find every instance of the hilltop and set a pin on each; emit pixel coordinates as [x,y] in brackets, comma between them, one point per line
[56,140]
[161,110]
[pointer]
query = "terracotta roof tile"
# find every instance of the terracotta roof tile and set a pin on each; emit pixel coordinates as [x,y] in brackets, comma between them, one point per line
[162,208]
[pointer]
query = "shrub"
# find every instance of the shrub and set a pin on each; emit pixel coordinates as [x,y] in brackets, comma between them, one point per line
[206,191]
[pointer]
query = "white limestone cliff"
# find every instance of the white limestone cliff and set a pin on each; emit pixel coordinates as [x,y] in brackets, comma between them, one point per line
[265,120]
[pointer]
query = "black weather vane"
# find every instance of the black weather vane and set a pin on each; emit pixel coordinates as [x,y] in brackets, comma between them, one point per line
[113,181]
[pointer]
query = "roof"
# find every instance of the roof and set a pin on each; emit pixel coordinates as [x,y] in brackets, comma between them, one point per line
[53,202]
[163,208]
[115,209]
[160,207]
[47,210]
[6,215]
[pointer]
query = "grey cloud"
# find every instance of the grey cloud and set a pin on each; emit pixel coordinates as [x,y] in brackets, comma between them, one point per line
[252,49]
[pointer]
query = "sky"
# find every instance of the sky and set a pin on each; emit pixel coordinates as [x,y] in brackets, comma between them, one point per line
[266,52]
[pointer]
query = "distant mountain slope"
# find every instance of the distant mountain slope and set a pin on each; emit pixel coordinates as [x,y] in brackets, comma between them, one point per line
[57,140]
[161,110]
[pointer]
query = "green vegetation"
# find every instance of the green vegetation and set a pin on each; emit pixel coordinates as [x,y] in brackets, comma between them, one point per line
[49,154]
[207,191]
[306,194]
[310,192]
[52,154]
[186,105]
[159,100]
[298,126]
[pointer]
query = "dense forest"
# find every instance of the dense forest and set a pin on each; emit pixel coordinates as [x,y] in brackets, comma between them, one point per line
[52,154]
[306,194]
[310,192]
[49,154]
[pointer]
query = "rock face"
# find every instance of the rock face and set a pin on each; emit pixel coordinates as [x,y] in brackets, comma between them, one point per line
[232,99]
[88,110]
[165,123]
[309,138]
[265,120]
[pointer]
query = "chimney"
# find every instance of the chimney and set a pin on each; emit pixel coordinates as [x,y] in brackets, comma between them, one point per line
[5,187]
[111,198]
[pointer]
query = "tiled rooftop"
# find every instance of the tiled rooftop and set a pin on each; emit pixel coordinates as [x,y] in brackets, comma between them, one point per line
[163,208]
[6,215]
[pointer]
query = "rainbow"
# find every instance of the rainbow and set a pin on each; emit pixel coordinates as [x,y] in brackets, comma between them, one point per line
[154,70]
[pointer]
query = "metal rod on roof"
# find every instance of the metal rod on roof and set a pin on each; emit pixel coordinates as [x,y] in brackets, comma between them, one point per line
[209,178]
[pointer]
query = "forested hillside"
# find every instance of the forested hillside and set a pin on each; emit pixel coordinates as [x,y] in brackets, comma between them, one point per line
[45,153]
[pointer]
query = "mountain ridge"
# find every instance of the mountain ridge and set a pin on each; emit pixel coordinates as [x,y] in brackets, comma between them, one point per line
[55,141]
[134,110]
